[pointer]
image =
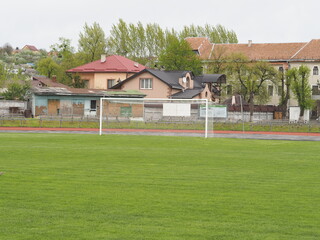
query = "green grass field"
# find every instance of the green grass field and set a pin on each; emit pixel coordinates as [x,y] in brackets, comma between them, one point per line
[60,186]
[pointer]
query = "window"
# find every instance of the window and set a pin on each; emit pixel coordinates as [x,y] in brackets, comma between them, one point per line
[93,105]
[196,52]
[315,70]
[188,82]
[270,90]
[279,90]
[86,83]
[145,83]
[111,83]
[229,89]
[315,90]
[280,69]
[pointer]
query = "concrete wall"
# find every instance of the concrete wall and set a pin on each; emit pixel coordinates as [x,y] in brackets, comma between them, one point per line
[257,116]
[12,105]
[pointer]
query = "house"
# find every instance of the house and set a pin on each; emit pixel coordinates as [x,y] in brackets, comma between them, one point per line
[106,72]
[173,84]
[49,97]
[281,55]
[30,48]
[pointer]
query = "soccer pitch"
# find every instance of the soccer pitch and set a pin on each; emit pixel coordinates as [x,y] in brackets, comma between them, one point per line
[61,186]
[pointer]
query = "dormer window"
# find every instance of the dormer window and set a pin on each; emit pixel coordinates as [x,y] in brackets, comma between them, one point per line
[196,52]
[315,70]
[188,82]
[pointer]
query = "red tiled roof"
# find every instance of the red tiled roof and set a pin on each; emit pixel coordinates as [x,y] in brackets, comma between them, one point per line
[202,45]
[113,63]
[258,51]
[310,51]
[261,51]
[30,47]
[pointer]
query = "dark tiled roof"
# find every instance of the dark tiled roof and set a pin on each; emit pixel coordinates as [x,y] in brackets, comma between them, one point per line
[187,94]
[170,78]
[212,78]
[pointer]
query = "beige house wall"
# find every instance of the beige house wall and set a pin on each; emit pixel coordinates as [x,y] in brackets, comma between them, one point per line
[100,80]
[159,88]
[89,77]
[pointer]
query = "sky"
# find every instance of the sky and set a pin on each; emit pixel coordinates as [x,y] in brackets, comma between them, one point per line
[42,22]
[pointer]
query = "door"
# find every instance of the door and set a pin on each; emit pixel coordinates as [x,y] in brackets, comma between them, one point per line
[53,107]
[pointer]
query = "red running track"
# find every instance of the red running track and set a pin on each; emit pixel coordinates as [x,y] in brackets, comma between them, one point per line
[152,130]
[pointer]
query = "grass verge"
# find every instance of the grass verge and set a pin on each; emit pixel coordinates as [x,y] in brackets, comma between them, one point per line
[61,186]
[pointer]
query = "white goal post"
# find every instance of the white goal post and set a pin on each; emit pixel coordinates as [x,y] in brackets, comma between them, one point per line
[152,111]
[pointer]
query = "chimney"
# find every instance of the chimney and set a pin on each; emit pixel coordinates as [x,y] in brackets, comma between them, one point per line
[249,43]
[103,58]
[54,78]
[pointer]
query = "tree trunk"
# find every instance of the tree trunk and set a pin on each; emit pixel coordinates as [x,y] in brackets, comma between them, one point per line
[301,114]
[285,102]
[251,106]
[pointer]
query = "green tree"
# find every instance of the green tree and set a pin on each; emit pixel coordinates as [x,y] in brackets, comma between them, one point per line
[48,67]
[216,34]
[3,74]
[285,88]
[16,91]
[62,49]
[178,55]
[146,42]
[300,87]
[6,49]
[64,55]
[92,42]
[121,40]
[251,79]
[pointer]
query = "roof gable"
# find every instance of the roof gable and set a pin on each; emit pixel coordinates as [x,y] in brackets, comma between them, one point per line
[113,63]
[202,45]
[310,51]
[30,47]
[171,78]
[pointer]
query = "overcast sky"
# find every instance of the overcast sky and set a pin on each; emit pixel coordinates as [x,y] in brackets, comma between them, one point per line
[42,22]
